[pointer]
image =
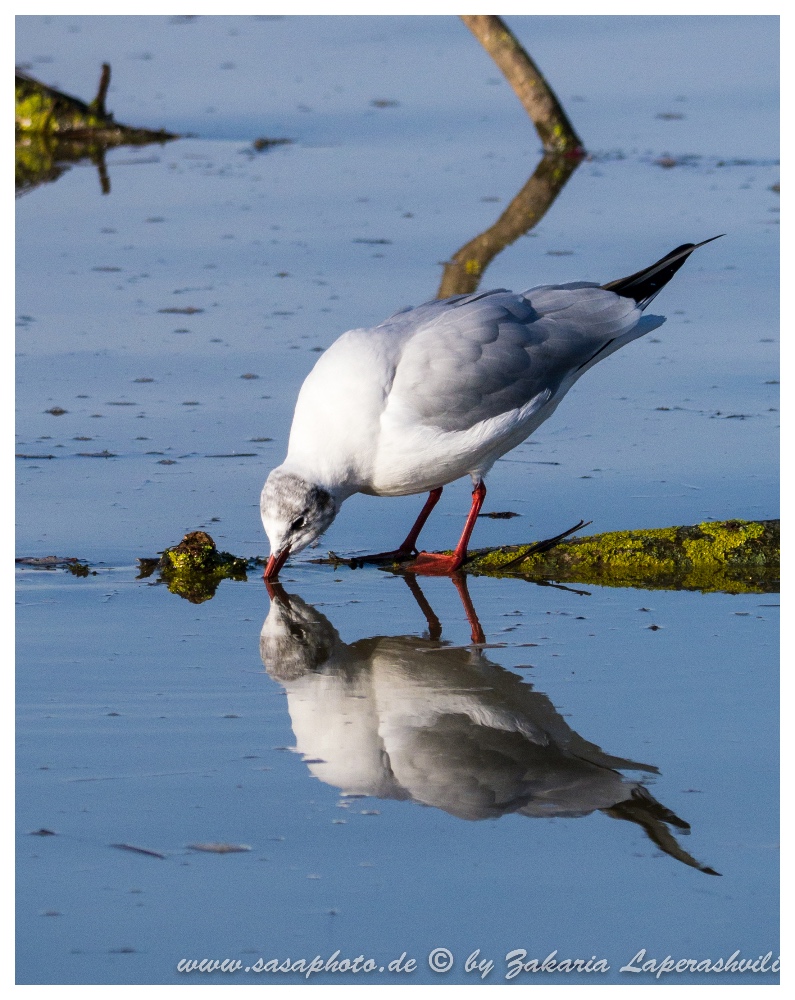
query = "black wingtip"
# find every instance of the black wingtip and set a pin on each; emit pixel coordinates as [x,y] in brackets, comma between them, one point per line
[644,285]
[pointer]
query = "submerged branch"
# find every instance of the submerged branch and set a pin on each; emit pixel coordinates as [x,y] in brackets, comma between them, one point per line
[43,110]
[528,83]
[732,557]
[729,556]
[55,130]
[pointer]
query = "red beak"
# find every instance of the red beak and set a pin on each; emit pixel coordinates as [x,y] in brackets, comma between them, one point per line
[275,563]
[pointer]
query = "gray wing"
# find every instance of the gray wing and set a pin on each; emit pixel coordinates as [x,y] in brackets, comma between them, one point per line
[474,357]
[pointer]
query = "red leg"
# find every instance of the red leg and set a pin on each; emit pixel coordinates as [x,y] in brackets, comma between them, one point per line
[431,564]
[409,546]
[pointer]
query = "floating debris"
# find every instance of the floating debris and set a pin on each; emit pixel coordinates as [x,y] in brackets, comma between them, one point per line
[194,568]
[220,848]
[265,143]
[70,563]
[687,160]
[139,850]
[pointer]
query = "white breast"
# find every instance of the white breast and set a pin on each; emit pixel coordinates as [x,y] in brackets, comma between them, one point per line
[336,426]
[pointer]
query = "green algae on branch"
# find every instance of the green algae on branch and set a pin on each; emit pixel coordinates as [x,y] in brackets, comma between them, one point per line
[194,568]
[54,129]
[42,110]
[727,556]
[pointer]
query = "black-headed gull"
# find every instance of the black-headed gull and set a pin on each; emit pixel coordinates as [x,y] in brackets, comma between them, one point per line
[441,391]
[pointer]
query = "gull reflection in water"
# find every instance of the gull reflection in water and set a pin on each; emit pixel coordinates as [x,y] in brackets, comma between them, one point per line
[404,717]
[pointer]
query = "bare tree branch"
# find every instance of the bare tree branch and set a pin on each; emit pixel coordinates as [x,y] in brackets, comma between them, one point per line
[537,97]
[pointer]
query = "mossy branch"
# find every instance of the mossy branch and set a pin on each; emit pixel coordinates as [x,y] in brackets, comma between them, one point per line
[729,556]
[54,130]
[43,110]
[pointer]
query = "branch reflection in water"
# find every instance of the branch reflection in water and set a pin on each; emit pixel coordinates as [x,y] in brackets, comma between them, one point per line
[410,718]
[462,273]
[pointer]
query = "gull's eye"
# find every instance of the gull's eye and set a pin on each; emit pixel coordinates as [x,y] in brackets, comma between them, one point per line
[297,524]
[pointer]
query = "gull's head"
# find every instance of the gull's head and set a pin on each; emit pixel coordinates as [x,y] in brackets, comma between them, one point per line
[294,513]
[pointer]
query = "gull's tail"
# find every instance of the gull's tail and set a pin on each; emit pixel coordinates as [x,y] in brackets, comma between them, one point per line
[643,286]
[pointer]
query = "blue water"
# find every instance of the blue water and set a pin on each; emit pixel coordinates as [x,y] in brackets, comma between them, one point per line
[149,721]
